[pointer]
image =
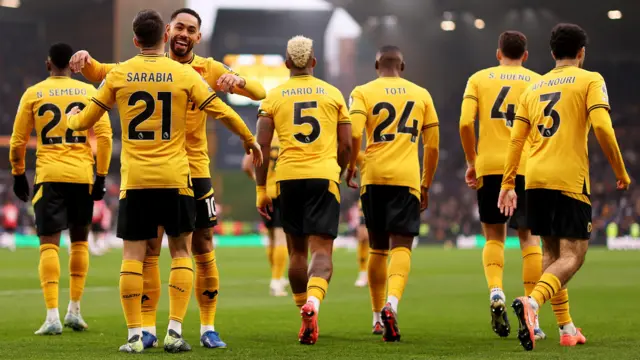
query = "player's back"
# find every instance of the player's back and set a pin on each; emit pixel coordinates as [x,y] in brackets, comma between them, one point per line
[306,112]
[497,90]
[557,107]
[152,93]
[397,110]
[62,155]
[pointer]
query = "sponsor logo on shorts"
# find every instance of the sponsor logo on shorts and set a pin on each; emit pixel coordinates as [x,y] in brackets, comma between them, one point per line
[589,227]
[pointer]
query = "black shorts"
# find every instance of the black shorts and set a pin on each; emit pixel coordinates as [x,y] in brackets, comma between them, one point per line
[206,216]
[276,221]
[58,206]
[309,207]
[362,219]
[391,209]
[488,202]
[143,210]
[553,214]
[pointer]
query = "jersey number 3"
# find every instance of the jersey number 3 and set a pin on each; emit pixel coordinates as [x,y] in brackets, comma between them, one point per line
[553,99]
[150,107]
[508,116]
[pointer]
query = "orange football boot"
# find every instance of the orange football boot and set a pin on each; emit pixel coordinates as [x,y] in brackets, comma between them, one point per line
[573,340]
[526,322]
[308,334]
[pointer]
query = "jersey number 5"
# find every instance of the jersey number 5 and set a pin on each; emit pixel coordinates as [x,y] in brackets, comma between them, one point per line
[378,136]
[553,99]
[298,119]
[57,116]
[150,107]
[508,116]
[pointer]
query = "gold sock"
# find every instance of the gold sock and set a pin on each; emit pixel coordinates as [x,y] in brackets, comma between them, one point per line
[493,262]
[545,288]
[300,299]
[280,256]
[131,284]
[377,272]
[207,284]
[560,306]
[317,287]
[180,287]
[152,289]
[363,255]
[270,255]
[78,269]
[49,271]
[398,272]
[531,267]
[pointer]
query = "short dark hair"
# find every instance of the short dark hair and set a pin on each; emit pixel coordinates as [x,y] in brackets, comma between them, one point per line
[148,28]
[513,44]
[389,56]
[567,40]
[60,54]
[187,11]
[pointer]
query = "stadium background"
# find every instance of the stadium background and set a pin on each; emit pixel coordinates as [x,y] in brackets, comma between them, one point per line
[444,42]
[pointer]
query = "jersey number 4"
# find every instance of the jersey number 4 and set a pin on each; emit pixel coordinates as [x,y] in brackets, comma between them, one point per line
[150,108]
[57,116]
[508,116]
[402,128]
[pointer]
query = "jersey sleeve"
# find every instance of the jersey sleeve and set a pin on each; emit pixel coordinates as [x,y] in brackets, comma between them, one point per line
[519,134]
[96,71]
[104,136]
[267,107]
[205,98]
[471,91]
[343,111]
[522,112]
[358,112]
[430,114]
[99,104]
[252,88]
[22,127]
[597,96]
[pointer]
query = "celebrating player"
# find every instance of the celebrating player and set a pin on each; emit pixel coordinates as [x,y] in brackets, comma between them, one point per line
[394,112]
[63,194]
[557,112]
[153,93]
[277,246]
[308,173]
[184,34]
[491,96]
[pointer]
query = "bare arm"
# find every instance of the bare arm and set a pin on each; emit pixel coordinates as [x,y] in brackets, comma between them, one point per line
[247,166]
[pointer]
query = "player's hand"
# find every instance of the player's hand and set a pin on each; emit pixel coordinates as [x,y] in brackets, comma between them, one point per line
[227,82]
[79,60]
[73,111]
[21,187]
[264,204]
[351,174]
[424,198]
[470,177]
[622,184]
[99,188]
[507,201]
[253,148]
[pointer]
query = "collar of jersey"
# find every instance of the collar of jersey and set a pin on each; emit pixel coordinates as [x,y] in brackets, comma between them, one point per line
[186,62]
[58,77]
[149,55]
[301,76]
[563,67]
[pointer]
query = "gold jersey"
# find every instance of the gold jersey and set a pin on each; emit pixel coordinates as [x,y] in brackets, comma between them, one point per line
[62,155]
[492,95]
[555,111]
[196,142]
[306,112]
[153,93]
[272,191]
[394,112]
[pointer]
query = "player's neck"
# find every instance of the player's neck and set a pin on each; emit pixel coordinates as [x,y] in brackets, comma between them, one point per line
[510,62]
[181,59]
[383,73]
[60,73]
[567,62]
[300,72]
[153,51]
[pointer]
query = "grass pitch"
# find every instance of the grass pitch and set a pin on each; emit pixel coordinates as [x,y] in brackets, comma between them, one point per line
[444,313]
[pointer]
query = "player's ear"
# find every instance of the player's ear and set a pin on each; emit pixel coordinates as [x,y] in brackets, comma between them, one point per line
[553,56]
[287,63]
[582,53]
[377,64]
[48,63]
[165,38]
[136,43]
[499,55]
[314,61]
[525,56]
[199,37]
[402,66]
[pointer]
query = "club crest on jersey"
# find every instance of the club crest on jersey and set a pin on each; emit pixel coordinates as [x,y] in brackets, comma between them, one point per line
[605,94]
[350,101]
[102,84]
[206,83]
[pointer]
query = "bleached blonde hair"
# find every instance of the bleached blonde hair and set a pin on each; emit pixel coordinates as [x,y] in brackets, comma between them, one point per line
[299,49]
